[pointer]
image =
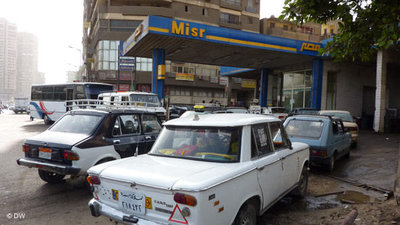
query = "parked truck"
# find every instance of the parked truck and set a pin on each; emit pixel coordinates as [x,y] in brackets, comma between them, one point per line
[20,105]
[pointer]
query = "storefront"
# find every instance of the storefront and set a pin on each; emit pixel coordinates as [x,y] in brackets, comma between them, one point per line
[297,89]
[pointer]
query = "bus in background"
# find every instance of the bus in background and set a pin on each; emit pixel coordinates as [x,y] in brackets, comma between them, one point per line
[48,101]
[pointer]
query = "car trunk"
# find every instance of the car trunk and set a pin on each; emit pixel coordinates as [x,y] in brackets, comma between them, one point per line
[50,146]
[155,180]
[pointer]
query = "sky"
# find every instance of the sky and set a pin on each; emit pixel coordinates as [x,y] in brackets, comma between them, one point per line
[58,25]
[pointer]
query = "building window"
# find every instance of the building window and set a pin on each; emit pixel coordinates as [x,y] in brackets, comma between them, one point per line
[236,3]
[124,25]
[186,8]
[204,12]
[285,27]
[144,64]
[229,18]
[250,20]
[107,55]
[297,89]
[272,25]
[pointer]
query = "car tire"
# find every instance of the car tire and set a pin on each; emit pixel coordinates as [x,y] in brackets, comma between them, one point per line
[347,154]
[50,177]
[247,215]
[331,164]
[46,119]
[301,189]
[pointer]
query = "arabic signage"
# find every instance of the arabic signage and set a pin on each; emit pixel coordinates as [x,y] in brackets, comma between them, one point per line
[184,76]
[223,80]
[247,83]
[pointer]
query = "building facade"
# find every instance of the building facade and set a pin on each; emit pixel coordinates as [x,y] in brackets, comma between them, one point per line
[8,60]
[107,22]
[27,63]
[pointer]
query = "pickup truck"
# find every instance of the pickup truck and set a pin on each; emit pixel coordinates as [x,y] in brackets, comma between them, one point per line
[203,169]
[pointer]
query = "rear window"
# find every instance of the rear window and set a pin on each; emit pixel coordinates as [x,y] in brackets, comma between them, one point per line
[79,124]
[278,110]
[199,143]
[304,128]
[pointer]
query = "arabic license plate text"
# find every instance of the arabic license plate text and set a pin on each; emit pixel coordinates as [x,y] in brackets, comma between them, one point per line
[45,153]
[132,202]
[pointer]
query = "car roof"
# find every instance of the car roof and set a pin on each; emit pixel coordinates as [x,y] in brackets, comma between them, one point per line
[127,93]
[221,120]
[310,117]
[333,111]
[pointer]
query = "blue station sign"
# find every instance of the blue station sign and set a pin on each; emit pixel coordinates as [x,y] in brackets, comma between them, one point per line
[208,33]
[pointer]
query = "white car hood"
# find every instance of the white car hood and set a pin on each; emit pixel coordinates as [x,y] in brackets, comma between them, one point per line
[170,173]
[59,138]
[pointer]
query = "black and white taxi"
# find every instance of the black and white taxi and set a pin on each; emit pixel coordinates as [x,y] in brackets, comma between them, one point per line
[203,169]
[87,137]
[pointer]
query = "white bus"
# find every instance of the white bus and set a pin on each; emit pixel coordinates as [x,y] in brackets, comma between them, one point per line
[48,101]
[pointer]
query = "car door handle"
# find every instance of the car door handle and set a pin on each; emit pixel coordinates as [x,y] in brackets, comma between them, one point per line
[283,158]
[147,138]
[116,141]
[260,168]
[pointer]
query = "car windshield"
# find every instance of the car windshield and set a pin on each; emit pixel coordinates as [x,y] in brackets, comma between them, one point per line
[152,100]
[237,110]
[199,143]
[304,128]
[79,124]
[345,117]
[278,110]
[307,112]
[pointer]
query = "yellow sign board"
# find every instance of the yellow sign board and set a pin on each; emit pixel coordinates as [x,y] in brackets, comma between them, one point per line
[184,76]
[248,83]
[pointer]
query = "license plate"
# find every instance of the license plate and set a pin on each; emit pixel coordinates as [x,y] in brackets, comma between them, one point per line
[45,153]
[132,202]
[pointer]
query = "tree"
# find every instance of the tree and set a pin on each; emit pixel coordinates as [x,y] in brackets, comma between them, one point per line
[366,25]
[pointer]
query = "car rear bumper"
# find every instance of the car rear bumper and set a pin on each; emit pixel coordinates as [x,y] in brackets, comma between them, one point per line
[319,160]
[48,166]
[97,209]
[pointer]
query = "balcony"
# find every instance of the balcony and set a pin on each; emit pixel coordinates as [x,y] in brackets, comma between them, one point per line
[231,4]
[142,10]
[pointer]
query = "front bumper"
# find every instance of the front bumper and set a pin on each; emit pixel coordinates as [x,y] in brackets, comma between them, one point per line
[97,209]
[48,166]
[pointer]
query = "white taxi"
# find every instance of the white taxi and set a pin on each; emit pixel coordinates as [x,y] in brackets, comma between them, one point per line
[204,169]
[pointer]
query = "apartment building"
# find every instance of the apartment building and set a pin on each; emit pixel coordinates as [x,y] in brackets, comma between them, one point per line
[8,59]
[283,28]
[107,22]
[27,63]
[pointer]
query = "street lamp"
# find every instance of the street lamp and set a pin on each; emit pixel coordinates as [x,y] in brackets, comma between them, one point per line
[80,56]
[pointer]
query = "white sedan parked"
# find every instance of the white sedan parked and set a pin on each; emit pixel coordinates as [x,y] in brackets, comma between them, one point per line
[204,169]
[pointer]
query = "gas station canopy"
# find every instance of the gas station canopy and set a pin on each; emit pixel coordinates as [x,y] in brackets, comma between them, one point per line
[185,41]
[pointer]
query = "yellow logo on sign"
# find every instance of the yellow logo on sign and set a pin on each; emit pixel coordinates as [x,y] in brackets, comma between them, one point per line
[138,31]
[310,47]
[185,29]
